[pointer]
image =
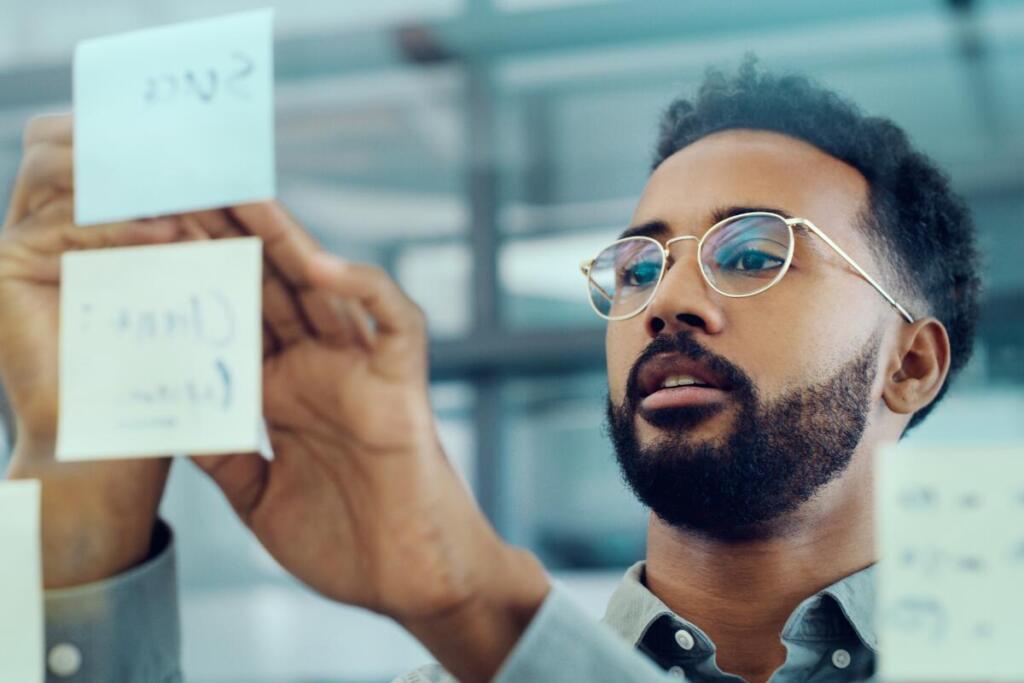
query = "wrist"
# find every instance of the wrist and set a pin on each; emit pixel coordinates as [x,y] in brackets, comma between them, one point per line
[474,639]
[87,532]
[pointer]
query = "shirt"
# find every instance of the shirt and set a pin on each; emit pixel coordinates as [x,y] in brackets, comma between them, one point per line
[125,630]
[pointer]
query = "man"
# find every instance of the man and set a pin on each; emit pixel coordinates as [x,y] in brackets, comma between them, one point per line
[798,287]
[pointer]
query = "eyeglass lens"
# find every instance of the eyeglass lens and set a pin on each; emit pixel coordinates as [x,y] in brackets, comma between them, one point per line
[741,257]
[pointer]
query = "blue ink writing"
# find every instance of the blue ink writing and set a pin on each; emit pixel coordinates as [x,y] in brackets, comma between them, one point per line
[206,318]
[204,85]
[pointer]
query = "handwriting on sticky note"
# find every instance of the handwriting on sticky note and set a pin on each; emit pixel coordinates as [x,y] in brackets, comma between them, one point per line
[204,85]
[21,583]
[174,119]
[201,319]
[161,350]
[951,536]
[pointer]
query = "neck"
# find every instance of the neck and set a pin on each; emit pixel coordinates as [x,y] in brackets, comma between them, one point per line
[742,593]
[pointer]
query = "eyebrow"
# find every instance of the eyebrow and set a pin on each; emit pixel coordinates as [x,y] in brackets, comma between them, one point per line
[659,228]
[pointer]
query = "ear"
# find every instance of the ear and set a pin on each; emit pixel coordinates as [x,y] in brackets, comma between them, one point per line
[918,366]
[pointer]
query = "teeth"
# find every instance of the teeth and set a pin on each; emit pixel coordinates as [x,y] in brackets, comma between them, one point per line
[681,381]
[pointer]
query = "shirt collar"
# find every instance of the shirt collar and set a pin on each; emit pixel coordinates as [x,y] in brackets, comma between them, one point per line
[855,595]
[848,603]
[632,608]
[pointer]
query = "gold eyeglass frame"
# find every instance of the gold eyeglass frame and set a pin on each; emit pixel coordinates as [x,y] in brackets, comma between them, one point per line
[587,266]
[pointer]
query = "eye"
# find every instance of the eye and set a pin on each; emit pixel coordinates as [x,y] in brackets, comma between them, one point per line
[639,274]
[751,257]
[752,260]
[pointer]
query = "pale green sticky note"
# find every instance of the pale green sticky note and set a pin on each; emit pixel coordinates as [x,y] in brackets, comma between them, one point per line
[951,571]
[161,350]
[21,583]
[175,118]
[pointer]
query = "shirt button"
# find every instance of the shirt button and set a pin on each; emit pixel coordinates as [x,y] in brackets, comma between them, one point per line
[841,659]
[684,639]
[677,671]
[64,660]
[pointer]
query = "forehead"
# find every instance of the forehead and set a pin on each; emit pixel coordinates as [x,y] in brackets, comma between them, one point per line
[752,168]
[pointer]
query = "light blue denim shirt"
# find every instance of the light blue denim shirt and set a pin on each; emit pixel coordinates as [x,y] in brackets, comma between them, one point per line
[125,630]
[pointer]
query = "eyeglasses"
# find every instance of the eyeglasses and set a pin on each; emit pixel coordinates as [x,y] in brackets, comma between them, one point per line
[740,256]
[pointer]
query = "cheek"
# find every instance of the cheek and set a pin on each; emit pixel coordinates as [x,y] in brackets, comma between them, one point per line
[796,341]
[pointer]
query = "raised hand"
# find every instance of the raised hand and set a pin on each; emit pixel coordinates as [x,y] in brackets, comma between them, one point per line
[97,517]
[360,501]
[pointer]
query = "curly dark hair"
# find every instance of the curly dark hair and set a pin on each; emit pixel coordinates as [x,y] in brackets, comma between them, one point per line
[927,238]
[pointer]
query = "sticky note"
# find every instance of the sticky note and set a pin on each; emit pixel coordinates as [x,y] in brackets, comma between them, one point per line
[951,570]
[21,583]
[173,119]
[161,350]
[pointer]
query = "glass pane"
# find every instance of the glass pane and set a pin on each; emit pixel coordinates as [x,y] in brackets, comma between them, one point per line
[541,282]
[438,279]
[230,584]
[40,32]
[564,498]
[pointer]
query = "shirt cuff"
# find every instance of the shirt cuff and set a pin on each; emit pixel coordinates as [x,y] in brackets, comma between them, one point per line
[123,629]
[563,643]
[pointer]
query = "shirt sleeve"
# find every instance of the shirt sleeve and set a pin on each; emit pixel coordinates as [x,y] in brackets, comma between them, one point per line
[121,630]
[563,643]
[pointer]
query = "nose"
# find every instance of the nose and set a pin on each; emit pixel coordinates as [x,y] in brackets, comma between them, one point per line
[684,300]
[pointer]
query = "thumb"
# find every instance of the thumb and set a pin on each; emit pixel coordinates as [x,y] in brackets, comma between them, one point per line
[242,477]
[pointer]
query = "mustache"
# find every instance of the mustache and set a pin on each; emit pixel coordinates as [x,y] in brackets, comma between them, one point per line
[685,344]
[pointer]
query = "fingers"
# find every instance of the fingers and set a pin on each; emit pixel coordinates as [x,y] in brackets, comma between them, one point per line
[285,243]
[392,311]
[129,233]
[60,211]
[47,165]
[191,229]
[47,172]
[51,243]
[55,129]
[337,319]
[283,312]
[290,308]
[242,478]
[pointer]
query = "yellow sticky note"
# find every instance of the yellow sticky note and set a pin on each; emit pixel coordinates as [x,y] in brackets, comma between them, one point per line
[161,350]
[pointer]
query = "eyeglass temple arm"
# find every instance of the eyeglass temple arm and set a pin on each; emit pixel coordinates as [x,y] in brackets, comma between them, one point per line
[817,231]
[585,269]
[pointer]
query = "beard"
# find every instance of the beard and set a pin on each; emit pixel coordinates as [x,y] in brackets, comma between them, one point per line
[777,455]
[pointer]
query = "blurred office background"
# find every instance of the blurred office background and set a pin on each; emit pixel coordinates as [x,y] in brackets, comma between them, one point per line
[472,146]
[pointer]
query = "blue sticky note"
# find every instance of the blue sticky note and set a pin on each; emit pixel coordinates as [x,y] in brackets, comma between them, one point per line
[174,119]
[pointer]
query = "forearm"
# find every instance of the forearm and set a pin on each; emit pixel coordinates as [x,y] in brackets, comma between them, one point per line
[87,532]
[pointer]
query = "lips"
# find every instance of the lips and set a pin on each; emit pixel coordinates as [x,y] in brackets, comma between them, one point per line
[673,381]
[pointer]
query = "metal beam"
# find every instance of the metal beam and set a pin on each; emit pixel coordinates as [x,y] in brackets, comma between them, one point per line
[482,194]
[477,36]
[524,353]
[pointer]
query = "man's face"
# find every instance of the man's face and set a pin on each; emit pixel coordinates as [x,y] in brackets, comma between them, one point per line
[796,365]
